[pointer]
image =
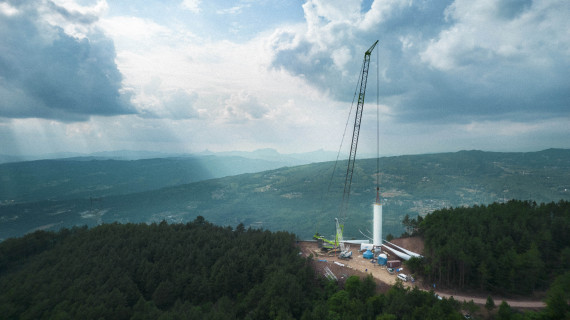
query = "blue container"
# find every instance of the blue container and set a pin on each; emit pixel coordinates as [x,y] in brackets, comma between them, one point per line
[382,259]
[368,254]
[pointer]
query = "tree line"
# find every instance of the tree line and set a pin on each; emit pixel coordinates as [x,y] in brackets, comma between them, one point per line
[514,247]
[196,270]
[192,271]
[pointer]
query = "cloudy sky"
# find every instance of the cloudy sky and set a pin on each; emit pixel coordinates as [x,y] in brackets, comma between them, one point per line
[191,75]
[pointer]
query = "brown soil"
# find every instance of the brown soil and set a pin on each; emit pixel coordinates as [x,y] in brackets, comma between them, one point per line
[414,244]
[355,266]
[384,280]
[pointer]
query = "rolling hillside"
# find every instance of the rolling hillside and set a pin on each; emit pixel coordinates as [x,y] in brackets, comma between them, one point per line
[84,177]
[296,198]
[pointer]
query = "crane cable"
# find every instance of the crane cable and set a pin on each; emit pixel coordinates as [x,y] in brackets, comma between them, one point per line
[356,133]
[343,214]
[341,143]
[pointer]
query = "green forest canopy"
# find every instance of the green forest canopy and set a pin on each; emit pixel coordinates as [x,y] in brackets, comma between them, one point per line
[198,271]
[195,271]
[516,247]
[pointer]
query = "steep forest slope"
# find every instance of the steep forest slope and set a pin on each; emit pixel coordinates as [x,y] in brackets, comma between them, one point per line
[512,248]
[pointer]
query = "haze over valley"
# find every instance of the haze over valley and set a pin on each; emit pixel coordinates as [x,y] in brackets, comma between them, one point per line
[51,194]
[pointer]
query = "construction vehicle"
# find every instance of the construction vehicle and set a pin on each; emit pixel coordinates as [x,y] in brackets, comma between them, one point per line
[338,243]
[352,156]
[345,252]
[324,243]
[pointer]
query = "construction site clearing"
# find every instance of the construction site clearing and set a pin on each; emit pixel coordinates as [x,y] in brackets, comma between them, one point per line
[330,265]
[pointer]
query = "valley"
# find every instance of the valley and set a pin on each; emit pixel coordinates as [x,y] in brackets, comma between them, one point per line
[296,198]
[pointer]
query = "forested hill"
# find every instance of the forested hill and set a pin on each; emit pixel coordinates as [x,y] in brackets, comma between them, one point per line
[84,177]
[297,199]
[186,271]
[513,248]
[144,271]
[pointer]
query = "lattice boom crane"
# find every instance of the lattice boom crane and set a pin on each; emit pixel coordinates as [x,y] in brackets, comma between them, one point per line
[356,132]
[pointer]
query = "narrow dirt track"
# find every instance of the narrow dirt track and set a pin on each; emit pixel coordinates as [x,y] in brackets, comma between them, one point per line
[513,303]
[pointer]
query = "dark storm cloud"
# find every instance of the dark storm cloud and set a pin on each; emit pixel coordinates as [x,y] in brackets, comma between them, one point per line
[308,59]
[47,73]
[458,61]
[302,62]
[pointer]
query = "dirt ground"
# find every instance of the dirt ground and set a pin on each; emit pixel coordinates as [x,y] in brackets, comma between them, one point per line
[355,266]
[384,280]
[414,244]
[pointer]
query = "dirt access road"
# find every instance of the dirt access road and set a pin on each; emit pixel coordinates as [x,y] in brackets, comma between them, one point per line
[343,269]
[526,304]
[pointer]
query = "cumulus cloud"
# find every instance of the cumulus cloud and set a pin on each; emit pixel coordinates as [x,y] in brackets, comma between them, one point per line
[508,57]
[55,64]
[450,61]
[242,107]
[497,32]
[329,50]
[452,73]
[155,101]
[382,11]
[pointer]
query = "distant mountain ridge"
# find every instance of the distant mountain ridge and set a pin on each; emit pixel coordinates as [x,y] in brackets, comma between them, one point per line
[260,154]
[293,198]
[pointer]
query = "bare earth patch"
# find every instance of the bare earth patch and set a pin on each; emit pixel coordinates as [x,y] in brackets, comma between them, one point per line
[414,244]
[362,267]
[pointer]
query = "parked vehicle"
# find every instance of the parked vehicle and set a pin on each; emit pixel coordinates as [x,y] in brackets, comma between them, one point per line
[403,277]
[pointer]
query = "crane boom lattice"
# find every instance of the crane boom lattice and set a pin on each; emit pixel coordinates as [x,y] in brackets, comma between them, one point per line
[356,132]
[338,243]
